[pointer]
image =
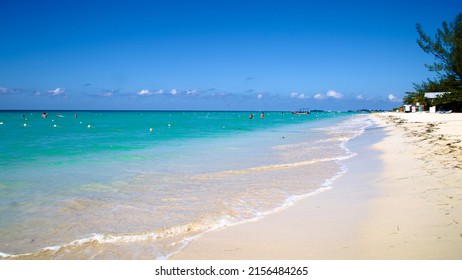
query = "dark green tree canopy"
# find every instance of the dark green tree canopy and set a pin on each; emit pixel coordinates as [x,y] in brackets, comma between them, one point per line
[446,47]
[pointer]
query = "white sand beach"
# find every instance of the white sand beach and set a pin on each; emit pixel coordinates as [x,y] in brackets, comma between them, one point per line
[400,199]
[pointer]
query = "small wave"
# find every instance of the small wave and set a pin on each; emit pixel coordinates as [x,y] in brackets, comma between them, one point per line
[273,167]
[99,238]
[3,255]
[185,233]
[352,127]
[290,201]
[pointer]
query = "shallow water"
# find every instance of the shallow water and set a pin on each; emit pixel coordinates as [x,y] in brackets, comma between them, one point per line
[102,185]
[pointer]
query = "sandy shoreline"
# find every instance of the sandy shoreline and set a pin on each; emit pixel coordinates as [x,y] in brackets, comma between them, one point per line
[401,199]
[419,213]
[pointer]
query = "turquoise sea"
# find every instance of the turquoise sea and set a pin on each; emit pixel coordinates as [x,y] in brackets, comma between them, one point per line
[142,184]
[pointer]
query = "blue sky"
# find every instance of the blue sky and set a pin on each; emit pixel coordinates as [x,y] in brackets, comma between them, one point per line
[213,55]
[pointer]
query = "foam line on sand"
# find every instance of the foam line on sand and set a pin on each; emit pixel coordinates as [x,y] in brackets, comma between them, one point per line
[400,199]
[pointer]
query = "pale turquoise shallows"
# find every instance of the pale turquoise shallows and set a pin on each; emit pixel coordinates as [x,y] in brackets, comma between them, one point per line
[141,185]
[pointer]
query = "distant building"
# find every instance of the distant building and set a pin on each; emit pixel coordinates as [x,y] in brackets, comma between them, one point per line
[407,108]
[433,95]
[418,107]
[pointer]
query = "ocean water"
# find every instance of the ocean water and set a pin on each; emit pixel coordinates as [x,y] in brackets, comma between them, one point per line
[141,185]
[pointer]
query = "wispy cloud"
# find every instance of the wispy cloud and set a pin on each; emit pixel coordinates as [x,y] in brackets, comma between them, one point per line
[112,93]
[56,91]
[219,94]
[192,92]
[259,96]
[319,96]
[393,98]
[5,90]
[298,95]
[173,92]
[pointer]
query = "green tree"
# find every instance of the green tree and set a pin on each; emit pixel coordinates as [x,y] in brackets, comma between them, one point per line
[446,47]
[414,97]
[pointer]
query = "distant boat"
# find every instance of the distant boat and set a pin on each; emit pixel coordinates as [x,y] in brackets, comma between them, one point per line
[303,111]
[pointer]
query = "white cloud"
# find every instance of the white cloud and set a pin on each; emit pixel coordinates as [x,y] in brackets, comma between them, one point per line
[191,92]
[329,94]
[319,96]
[4,90]
[173,92]
[298,95]
[56,91]
[360,97]
[334,94]
[107,94]
[393,98]
[259,96]
[144,92]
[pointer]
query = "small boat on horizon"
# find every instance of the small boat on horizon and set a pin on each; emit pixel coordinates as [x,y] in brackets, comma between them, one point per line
[302,111]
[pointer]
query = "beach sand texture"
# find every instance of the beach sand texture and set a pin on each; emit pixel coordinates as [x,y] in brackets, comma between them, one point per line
[400,199]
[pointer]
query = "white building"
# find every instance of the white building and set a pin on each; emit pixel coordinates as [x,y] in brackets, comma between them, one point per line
[431,96]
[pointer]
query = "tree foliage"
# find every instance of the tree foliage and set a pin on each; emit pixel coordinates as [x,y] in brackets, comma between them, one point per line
[414,97]
[446,47]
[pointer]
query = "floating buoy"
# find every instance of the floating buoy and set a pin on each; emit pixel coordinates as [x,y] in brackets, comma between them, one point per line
[151,129]
[169,125]
[89,126]
[25,124]
[1,123]
[54,125]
